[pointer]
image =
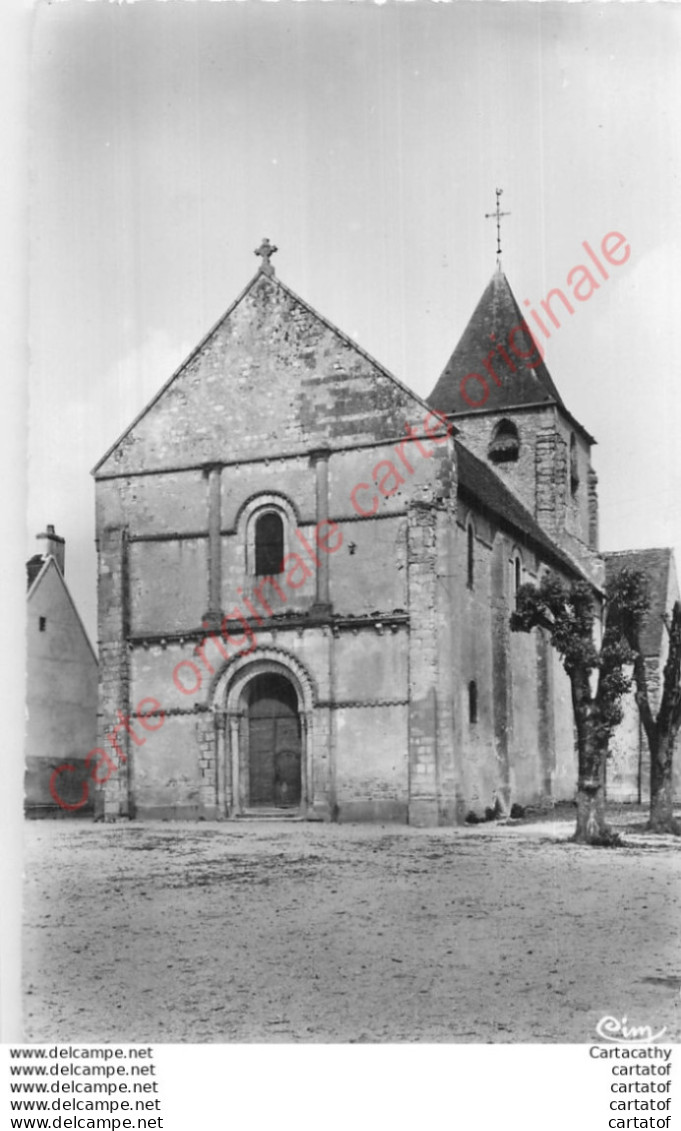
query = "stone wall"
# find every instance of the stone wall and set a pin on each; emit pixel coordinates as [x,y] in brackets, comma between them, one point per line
[272,378]
[275,408]
[541,475]
[521,748]
[390,662]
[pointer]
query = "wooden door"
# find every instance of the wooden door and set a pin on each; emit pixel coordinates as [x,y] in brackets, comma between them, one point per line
[274,747]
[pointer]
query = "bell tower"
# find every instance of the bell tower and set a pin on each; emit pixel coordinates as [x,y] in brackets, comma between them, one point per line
[498,391]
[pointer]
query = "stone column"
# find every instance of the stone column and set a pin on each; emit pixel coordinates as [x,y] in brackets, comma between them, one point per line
[114,797]
[235,793]
[223,769]
[320,461]
[213,615]
[448,770]
[307,775]
[502,698]
[423,664]
[319,735]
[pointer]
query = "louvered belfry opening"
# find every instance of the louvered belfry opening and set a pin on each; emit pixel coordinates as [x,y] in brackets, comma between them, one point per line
[274,742]
[505,444]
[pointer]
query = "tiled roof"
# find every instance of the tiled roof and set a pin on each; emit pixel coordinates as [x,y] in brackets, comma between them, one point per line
[496,321]
[480,482]
[655,564]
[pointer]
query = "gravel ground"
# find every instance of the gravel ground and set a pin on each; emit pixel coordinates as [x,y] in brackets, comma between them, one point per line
[295,932]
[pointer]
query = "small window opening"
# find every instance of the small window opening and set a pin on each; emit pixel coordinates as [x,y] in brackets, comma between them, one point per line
[472,702]
[505,443]
[269,544]
[471,557]
[42,624]
[517,572]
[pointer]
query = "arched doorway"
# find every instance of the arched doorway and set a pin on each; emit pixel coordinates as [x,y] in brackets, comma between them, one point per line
[274,742]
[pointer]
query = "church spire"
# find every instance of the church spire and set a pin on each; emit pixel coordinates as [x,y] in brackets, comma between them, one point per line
[497,214]
[497,363]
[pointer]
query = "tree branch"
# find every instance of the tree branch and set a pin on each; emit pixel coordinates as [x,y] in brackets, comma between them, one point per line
[642,698]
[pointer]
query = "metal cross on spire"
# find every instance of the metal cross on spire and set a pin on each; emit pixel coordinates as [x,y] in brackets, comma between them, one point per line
[266,251]
[497,214]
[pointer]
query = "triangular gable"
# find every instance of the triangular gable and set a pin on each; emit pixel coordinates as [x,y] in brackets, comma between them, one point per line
[496,328]
[271,377]
[50,567]
[658,567]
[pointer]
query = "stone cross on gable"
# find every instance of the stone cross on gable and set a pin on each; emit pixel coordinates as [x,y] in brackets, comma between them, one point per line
[266,251]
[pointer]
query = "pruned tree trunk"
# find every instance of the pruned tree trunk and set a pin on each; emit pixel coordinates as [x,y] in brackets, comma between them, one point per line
[662,731]
[662,787]
[592,827]
[591,824]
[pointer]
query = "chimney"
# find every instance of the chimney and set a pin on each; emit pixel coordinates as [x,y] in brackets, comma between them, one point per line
[54,546]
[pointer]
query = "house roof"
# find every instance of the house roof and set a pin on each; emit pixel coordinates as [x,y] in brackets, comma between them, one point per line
[50,564]
[656,565]
[497,321]
[480,482]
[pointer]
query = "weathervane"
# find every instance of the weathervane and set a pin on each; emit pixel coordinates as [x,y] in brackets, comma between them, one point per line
[266,251]
[498,214]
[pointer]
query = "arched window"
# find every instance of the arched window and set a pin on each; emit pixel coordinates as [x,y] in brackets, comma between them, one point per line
[574,464]
[505,443]
[471,555]
[269,544]
[517,574]
[472,702]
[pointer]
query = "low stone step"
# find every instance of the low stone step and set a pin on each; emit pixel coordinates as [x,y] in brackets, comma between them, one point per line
[271,815]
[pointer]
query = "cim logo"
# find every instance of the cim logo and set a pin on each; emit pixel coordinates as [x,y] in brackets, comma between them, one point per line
[612,1029]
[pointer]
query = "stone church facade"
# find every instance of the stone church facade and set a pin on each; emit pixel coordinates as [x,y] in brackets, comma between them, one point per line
[306,573]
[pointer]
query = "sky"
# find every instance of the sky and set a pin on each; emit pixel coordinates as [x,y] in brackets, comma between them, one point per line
[366,141]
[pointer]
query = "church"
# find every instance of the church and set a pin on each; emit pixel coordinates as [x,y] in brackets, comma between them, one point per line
[306,573]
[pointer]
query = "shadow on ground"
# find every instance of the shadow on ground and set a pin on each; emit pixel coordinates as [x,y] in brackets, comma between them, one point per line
[281,931]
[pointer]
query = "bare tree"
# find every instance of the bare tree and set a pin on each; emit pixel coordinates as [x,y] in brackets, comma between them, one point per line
[627,613]
[568,612]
